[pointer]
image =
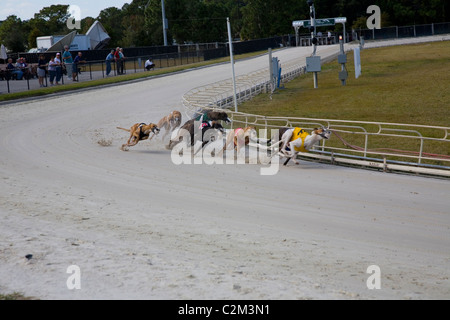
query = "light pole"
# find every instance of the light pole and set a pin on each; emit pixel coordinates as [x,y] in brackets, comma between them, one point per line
[165,26]
[164,20]
[313,62]
[230,41]
[312,14]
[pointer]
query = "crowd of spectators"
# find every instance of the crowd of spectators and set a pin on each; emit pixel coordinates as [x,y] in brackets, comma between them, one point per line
[56,67]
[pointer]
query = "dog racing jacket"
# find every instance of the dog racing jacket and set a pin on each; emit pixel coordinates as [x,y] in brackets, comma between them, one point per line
[299,133]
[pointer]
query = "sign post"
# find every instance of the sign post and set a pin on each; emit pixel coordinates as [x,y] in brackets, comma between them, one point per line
[232,65]
[313,62]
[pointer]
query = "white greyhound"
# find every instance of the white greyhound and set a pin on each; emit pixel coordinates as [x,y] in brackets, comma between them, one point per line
[298,140]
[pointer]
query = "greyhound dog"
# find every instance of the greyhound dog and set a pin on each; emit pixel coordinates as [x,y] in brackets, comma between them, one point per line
[169,123]
[209,117]
[295,140]
[239,138]
[139,132]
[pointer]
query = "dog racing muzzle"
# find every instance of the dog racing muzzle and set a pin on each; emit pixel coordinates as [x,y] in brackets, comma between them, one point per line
[326,133]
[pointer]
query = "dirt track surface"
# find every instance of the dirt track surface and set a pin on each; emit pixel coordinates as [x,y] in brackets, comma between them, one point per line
[140,227]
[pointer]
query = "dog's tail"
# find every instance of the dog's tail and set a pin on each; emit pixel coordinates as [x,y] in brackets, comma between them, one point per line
[128,130]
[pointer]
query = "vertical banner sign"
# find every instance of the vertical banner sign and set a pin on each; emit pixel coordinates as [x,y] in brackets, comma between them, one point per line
[357,58]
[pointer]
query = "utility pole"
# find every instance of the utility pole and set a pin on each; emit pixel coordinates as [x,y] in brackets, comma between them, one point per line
[165,24]
[230,40]
[342,59]
[312,14]
[313,62]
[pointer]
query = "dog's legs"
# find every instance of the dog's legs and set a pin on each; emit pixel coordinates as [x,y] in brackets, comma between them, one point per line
[228,141]
[284,143]
[293,154]
[200,148]
[286,138]
[168,131]
[130,138]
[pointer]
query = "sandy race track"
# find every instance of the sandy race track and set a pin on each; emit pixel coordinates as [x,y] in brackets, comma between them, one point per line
[140,227]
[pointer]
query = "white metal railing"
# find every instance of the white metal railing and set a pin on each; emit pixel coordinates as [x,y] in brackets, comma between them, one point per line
[426,148]
[423,149]
[220,94]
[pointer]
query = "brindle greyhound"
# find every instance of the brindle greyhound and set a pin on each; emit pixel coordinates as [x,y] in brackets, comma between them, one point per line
[139,132]
[189,126]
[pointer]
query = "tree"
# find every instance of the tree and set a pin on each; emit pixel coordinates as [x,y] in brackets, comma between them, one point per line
[12,34]
[86,23]
[153,22]
[267,18]
[111,19]
[54,18]
[133,23]
[32,35]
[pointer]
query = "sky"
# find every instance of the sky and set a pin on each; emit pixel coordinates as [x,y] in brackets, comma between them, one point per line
[25,9]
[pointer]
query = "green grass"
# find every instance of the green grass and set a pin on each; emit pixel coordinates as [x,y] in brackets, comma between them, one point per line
[402,84]
[14,296]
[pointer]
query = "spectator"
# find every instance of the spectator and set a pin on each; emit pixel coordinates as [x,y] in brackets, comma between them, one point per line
[109,58]
[329,37]
[75,65]
[14,70]
[42,66]
[149,64]
[117,58]
[22,66]
[52,70]
[122,60]
[67,59]
[58,64]
[26,68]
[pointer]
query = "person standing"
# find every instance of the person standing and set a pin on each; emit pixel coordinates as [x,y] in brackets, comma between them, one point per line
[67,59]
[42,66]
[52,70]
[122,60]
[75,65]
[58,67]
[109,59]
[117,59]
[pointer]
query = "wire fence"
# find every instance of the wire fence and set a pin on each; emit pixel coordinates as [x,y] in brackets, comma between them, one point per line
[18,80]
[403,31]
[396,32]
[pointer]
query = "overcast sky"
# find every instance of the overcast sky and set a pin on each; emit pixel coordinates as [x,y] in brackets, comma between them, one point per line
[25,9]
